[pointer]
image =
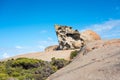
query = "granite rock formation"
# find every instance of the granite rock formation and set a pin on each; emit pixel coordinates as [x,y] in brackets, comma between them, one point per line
[89,36]
[73,39]
[101,62]
[51,48]
[68,38]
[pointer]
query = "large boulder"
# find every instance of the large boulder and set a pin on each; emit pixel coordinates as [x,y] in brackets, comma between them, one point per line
[102,62]
[73,39]
[89,36]
[68,38]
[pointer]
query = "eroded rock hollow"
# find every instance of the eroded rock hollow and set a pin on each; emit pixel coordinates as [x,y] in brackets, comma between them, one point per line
[73,39]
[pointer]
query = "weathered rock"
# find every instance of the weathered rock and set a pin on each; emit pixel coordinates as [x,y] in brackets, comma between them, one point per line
[102,62]
[89,36]
[51,48]
[73,39]
[68,38]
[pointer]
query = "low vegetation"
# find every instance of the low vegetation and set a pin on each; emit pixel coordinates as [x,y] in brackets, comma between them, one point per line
[59,63]
[29,69]
[73,54]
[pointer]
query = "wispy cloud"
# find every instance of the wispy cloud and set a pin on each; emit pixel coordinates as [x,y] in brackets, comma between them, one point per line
[108,29]
[41,47]
[45,43]
[18,47]
[50,39]
[5,55]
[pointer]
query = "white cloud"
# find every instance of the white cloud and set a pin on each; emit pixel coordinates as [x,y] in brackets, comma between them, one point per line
[50,39]
[108,29]
[5,55]
[41,47]
[18,47]
[45,43]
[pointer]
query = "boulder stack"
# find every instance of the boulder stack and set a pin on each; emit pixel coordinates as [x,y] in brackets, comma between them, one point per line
[73,39]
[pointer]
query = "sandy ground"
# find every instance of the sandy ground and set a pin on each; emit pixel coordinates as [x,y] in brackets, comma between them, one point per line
[47,55]
[101,61]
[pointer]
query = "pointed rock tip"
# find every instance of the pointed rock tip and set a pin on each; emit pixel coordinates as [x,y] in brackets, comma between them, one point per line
[56,26]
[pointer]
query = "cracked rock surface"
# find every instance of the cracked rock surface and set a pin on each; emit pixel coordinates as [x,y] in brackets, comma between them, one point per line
[73,39]
[100,62]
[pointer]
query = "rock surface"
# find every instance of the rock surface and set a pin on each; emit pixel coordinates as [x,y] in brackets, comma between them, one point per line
[51,48]
[100,62]
[68,38]
[73,39]
[89,36]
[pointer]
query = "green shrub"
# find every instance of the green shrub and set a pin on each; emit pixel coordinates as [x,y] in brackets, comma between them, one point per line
[15,74]
[43,72]
[38,77]
[73,54]
[26,63]
[2,68]
[21,78]
[29,69]
[59,63]
[3,76]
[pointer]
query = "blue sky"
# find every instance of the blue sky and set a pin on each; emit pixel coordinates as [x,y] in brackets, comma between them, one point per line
[28,25]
